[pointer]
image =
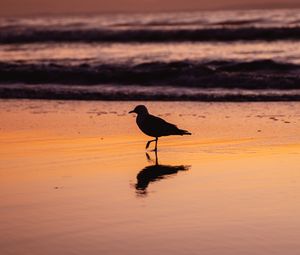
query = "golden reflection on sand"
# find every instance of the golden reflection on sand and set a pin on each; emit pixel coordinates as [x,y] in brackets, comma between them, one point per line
[70,173]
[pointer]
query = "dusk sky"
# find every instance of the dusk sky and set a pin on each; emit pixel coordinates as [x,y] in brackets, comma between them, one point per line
[28,7]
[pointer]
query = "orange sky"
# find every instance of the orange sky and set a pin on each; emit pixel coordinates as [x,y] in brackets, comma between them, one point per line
[25,7]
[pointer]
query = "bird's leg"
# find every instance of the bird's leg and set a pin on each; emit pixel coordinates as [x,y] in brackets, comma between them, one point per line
[156,139]
[150,160]
[156,158]
[155,148]
[148,157]
[148,143]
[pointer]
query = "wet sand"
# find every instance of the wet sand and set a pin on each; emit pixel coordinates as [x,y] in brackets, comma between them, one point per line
[75,179]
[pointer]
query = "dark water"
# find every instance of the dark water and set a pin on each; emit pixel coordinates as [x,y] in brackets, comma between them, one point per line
[251,55]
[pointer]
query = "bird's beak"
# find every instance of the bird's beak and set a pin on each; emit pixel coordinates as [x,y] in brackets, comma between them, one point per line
[132,111]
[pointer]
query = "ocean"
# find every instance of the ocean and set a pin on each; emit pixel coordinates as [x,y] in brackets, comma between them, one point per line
[195,56]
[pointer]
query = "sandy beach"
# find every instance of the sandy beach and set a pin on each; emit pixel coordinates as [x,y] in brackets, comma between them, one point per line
[69,179]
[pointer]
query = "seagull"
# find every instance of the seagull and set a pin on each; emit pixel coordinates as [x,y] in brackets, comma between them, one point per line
[155,126]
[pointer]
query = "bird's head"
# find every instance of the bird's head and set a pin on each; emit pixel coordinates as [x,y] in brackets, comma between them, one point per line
[140,109]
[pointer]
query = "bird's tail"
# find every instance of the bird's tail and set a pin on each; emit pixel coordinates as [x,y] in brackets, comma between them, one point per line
[184,132]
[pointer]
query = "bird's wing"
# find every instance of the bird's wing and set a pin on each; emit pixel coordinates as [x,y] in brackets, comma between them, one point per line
[161,126]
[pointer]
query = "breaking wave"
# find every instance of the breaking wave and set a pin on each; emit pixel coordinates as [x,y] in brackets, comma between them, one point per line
[137,93]
[257,74]
[31,35]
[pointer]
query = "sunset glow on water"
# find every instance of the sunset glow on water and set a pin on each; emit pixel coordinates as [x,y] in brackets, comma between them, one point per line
[69,174]
[212,86]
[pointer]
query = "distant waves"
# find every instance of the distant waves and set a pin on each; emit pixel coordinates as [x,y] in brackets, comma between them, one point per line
[202,56]
[257,74]
[31,35]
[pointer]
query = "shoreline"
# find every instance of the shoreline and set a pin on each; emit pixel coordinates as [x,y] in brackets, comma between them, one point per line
[75,178]
[144,93]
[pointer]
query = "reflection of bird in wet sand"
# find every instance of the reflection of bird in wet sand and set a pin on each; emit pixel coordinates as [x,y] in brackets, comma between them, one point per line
[155,126]
[155,173]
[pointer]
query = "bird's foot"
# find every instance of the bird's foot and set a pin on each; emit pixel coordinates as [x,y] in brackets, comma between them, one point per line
[147,145]
[148,157]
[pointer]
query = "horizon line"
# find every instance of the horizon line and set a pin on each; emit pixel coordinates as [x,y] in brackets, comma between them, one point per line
[120,12]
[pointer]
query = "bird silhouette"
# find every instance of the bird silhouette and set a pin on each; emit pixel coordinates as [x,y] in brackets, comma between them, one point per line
[155,126]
